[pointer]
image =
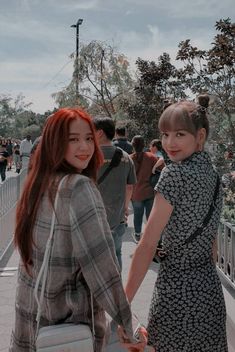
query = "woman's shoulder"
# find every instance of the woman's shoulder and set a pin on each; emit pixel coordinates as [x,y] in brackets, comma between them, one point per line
[172,174]
[76,181]
[150,156]
[78,187]
[172,168]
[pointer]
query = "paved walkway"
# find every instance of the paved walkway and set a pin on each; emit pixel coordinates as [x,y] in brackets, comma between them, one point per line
[139,306]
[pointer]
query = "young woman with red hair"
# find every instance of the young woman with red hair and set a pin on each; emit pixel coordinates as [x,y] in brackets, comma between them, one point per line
[82,259]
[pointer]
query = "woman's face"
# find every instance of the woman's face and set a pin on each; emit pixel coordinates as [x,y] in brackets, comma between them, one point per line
[180,144]
[81,144]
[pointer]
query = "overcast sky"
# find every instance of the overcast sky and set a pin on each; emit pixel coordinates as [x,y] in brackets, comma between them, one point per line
[36,39]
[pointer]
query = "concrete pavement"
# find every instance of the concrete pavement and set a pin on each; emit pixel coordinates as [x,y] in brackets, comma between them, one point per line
[140,304]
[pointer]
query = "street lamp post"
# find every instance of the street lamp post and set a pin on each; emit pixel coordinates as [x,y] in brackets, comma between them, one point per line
[79,22]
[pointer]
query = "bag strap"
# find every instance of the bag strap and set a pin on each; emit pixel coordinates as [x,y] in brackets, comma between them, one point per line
[115,161]
[42,275]
[206,220]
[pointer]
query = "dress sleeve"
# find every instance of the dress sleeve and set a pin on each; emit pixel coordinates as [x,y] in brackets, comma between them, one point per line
[93,246]
[170,184]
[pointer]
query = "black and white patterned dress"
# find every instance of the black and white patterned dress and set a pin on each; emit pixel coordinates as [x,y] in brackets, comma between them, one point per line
[187,312]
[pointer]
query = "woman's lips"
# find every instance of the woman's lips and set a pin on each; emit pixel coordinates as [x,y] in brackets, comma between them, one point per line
[173,152]
[83,157]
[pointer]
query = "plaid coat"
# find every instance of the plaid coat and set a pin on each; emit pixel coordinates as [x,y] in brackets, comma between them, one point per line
[82,242]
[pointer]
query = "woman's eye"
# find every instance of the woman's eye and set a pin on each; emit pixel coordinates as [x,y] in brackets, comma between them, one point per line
[90,139]
[74,139]
[179,134]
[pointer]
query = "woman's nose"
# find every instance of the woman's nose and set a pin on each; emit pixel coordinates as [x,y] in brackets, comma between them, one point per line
[171,141]
[83,145]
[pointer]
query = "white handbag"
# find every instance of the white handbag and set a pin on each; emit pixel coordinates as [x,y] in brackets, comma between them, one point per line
[60,337]
[65,337]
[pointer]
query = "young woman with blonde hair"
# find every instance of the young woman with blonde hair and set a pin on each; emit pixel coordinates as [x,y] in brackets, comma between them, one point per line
[187,311]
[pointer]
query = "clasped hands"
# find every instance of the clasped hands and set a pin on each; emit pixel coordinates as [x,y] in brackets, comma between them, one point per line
[137,346]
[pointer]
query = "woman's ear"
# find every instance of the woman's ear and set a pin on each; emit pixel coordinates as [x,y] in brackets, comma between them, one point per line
[99,134]
[201,135]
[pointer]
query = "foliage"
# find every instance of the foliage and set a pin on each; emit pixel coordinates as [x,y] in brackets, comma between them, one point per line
[67,97]
[104,78]
[229,199]
[16,120]
[156,82]
[6,116]
[213,71]
[11,115]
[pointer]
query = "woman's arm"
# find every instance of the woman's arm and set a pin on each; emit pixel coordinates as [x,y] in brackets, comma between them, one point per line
[159,163]
[145,251]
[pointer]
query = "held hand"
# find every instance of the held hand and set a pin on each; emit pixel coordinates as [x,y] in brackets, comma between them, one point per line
[154,169]
[137,346]
[126,213]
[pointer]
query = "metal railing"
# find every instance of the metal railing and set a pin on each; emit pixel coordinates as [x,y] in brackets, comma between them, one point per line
[226,253]
[9,195]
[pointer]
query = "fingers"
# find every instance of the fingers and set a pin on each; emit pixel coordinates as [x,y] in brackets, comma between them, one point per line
[137,347]
[123,338]
[143,335]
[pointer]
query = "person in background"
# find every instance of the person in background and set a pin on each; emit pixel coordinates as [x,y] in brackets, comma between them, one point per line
[9,149]
[143,194]
[25,149]
[33,149]
[117,187]
[3,161]
[187,311]
[121,140]
[16,157]
[82,260]
[155,148]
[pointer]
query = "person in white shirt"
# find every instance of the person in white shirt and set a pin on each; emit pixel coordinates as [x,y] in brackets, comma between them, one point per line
[25,149]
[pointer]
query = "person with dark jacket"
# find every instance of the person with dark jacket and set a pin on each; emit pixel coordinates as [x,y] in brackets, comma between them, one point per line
[121,140]
[3,161]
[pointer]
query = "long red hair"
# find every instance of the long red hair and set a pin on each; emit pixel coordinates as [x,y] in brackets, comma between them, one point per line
[47,163]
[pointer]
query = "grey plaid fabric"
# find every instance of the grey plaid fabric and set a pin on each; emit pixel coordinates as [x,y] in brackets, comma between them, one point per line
[82,242]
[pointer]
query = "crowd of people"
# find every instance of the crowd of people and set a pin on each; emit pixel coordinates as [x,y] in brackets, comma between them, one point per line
[14,152]
[96,172]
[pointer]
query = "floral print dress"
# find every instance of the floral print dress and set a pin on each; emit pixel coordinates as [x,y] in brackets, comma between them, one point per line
[187,312]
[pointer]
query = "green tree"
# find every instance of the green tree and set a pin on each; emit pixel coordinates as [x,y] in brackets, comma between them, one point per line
[156,82]
[105,78]
[17,120]
[11,111]
[67,97]
[213,71]
[6,116]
